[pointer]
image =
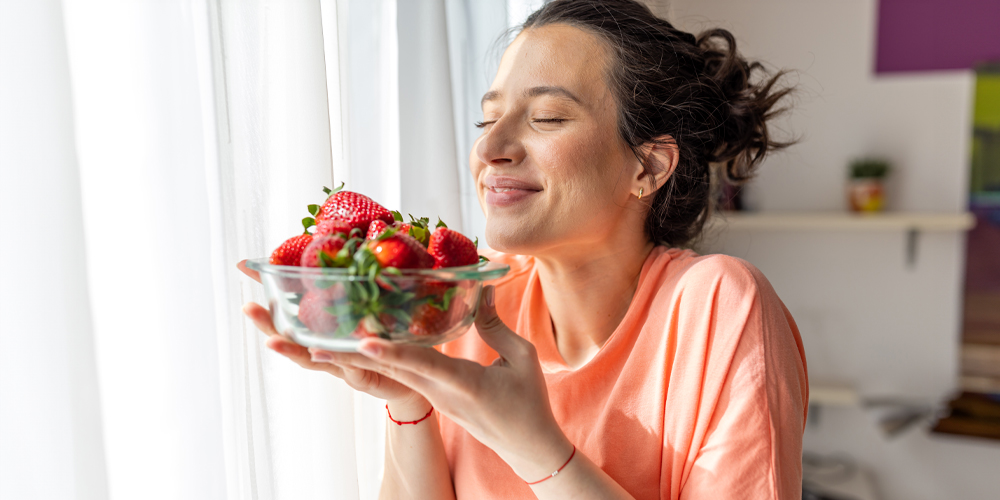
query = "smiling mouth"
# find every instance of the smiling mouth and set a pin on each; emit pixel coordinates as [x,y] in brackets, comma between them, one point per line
[508,196]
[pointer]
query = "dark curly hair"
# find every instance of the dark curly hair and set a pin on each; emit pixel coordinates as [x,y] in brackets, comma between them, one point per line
[697,90]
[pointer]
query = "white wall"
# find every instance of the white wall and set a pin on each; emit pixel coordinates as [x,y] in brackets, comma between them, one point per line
[866,318]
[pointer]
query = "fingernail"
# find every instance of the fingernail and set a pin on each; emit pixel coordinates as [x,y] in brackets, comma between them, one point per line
[370,349]
[322,357]
[489,295]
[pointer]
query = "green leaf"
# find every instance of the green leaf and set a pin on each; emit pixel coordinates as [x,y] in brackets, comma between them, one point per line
[313,209]
[386,234]
[483,259]
[420,234]
[396,215]
[307,223]
[390,283]
[393,271]
[356,233]
[441,223]
[401,315]
[325,260]
[476,242]
[347,326]
[446,299]
[448,296]
[396,299]
[330,192]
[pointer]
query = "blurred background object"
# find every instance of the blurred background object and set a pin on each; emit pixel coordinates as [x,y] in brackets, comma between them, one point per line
[866,186]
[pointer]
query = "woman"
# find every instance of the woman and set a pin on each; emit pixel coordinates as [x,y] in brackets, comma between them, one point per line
[631,367]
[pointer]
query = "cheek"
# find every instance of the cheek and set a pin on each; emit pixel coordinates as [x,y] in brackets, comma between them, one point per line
[583,169]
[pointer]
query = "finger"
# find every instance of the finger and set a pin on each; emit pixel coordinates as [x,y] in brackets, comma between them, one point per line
[359,371]
[417,367]
[242,266]
[261,318]
[494,332]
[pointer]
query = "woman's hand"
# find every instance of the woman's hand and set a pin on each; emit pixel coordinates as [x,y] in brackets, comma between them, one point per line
[398,395]
[505,405]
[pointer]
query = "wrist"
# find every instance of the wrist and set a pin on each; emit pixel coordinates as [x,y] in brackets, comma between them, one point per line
[544,459]
[408,409]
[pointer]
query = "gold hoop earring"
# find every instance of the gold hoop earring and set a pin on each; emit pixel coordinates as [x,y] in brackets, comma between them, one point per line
[640,193]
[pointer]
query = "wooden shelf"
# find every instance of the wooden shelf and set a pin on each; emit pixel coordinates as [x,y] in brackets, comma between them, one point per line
[843,221]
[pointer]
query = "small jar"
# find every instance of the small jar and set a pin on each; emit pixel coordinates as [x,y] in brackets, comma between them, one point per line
[866,194]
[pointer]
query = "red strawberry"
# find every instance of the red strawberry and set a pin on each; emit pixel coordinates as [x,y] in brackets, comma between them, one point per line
[290,252]
[313,314]
[400,251]
[328,244]
[451,249]
[402,227]
[346,210]
[375,229]
[429,320]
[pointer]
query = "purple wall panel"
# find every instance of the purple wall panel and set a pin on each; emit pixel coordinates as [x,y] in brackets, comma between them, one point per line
[923,35]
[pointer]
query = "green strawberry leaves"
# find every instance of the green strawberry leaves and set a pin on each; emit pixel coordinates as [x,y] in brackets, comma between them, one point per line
[445,301]
[330,192]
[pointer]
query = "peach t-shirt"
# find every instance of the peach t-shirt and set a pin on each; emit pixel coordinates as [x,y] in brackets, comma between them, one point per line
[700,393]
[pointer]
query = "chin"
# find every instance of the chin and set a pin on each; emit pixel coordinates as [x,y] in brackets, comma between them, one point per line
[511,238]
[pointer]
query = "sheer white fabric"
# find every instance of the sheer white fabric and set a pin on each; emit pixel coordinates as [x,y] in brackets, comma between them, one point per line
[170,140]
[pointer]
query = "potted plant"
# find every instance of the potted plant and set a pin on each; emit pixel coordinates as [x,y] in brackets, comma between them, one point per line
[866,191]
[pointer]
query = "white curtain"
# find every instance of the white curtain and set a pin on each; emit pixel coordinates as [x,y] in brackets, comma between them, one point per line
[145,148]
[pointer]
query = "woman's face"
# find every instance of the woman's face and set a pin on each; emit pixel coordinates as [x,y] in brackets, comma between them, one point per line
[552,172]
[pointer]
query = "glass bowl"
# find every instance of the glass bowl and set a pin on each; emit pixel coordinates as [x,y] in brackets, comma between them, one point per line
[333,310]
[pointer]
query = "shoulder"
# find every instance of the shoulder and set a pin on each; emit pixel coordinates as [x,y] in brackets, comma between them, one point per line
[717,274]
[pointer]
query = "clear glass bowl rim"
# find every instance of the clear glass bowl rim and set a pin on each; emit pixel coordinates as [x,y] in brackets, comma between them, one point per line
[483,271]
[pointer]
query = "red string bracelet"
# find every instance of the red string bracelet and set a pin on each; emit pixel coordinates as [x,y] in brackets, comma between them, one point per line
[550,476]
[415,422]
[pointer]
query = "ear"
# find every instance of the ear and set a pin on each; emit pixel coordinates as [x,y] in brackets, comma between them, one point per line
[661,158]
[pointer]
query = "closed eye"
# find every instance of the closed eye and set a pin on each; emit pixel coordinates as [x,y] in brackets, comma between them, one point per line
[483,124]
[549,120]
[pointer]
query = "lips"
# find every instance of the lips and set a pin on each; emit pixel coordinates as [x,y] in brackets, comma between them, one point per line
[507,191]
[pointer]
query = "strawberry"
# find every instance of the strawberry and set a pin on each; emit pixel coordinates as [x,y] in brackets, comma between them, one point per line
[346,210]
[290,252]
[375,229]
[322,251]
[394,249]
[378,226]
[429,320]
[402,227]
[334,292]
[313,313]
[451,248]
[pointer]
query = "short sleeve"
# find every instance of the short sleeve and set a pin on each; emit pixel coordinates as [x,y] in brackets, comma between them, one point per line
[747,430]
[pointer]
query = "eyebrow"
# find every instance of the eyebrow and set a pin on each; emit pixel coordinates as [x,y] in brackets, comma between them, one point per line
[534,92]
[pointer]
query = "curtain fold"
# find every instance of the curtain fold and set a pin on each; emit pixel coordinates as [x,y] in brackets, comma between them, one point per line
[51,441]
[182,137]
[139,144]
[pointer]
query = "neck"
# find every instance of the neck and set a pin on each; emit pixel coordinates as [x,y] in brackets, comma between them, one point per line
[588,295]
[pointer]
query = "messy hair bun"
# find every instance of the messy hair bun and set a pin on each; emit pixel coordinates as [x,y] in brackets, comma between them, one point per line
[698,91]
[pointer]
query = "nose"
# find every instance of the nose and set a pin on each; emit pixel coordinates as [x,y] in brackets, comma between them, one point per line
[501,146]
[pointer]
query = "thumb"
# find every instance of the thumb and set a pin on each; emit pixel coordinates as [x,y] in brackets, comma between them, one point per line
[492,329]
